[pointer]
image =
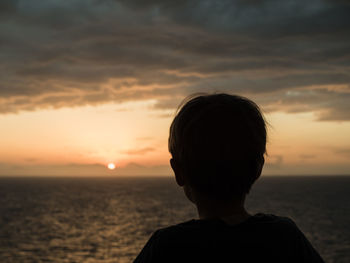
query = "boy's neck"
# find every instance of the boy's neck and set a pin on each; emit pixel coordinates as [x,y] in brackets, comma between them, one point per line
[232,213]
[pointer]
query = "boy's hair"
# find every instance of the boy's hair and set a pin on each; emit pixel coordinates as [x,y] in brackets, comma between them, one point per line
[218,142]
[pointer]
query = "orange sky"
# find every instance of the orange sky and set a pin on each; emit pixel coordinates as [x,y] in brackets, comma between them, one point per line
[84,83]
[52,141]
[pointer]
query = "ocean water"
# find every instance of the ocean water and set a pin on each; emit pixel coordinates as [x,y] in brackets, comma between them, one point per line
[110,219]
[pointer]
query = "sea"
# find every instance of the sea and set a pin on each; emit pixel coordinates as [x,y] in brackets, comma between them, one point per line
[109,219]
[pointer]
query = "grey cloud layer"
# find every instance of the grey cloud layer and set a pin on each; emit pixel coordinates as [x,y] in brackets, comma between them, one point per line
[69,53]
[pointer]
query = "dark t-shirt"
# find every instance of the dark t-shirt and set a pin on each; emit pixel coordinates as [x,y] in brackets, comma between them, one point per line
[260,238]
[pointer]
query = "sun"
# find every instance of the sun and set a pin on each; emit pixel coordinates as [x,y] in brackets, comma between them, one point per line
[111,166]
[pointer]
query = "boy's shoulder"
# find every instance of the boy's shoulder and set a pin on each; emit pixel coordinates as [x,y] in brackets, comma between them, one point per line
[269,236]
[259,219]
[260,225]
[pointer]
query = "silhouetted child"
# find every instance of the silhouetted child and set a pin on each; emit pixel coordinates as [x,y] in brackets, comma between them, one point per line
[217,143]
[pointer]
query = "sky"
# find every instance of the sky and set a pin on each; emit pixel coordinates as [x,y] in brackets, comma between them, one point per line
[84,83]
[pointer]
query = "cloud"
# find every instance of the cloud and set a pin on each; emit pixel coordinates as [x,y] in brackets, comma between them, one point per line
[306,156]
[135,169]
[139,151]
[344,151]
[76,169]
[331,103]
[7,8]
[70,53]
[274,162]
[145,138]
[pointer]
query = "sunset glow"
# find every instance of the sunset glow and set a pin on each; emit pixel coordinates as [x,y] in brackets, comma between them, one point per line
[98,88]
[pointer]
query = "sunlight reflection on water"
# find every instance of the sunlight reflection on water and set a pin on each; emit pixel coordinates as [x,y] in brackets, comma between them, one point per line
[110,219]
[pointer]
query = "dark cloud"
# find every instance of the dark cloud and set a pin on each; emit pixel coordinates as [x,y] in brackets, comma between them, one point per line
[330,104]
[7,8]
[71,53]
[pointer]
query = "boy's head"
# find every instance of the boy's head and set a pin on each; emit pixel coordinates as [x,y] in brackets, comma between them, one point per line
[218,143]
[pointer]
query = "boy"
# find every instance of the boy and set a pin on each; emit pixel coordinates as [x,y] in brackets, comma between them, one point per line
[217,143]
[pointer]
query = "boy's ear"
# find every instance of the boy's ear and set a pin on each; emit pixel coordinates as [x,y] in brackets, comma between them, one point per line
[180,180]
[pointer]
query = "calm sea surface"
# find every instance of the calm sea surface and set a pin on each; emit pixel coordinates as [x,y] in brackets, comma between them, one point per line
[110,219]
